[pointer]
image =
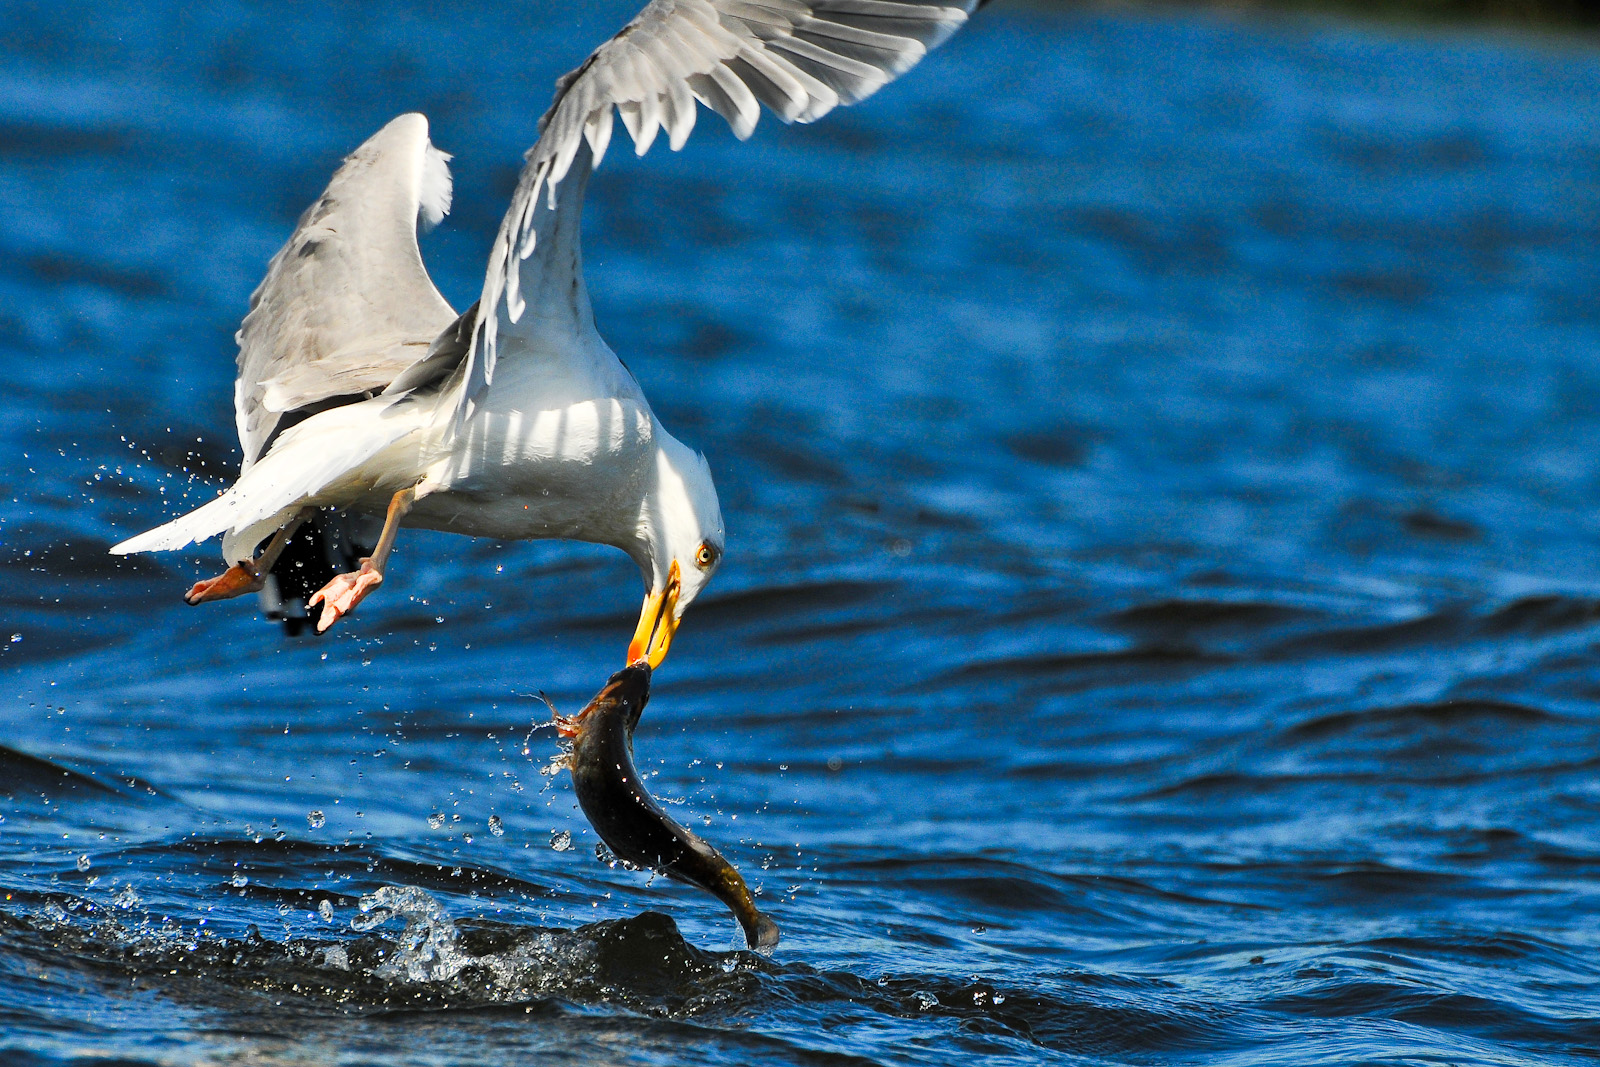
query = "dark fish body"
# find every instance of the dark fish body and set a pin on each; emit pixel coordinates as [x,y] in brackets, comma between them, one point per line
[628,819]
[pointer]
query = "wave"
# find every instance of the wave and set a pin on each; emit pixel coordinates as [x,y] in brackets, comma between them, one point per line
[1532,616]
[22,774]
[1456,717]
[1173,620]
[1083,668]
[995,886]
[640,963]
[404,955]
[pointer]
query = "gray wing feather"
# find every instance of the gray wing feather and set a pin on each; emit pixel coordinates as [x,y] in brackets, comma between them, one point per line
[801,58]
[346,304]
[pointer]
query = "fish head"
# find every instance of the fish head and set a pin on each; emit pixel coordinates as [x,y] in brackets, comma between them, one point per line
[625,693]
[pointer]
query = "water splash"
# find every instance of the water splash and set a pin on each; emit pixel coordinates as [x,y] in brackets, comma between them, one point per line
[427,949]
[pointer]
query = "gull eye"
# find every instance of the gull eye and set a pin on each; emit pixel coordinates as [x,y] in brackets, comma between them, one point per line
[705,555]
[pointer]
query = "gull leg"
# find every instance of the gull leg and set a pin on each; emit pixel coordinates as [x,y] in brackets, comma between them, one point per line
[247,575]
[340,596]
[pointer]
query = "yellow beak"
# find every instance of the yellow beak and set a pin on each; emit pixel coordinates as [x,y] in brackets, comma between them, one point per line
[658,621]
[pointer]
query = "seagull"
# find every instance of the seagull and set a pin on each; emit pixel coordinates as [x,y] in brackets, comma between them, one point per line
[361,389]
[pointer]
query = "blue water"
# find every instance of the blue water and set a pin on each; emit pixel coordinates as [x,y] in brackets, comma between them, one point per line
[1161,620]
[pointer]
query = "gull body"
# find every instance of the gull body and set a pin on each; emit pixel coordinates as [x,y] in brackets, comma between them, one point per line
[361,389]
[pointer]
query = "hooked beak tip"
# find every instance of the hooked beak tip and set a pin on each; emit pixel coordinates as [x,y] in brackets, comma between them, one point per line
[658,621]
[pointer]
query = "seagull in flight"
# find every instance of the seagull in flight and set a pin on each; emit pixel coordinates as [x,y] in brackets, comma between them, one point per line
[360,389]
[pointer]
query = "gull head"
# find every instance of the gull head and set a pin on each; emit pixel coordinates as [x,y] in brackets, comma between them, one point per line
[680,544]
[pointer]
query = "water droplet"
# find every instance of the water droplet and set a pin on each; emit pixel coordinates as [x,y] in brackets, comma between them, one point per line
[436,820]
[496,827]
[325,909]
[835,763]
[883,979]
[239,881]
[15,638]
[561,840]
[316,819]
[925,1000]
[83,863]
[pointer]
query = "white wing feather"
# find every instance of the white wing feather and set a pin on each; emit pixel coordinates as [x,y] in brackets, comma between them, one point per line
[347,304]
[306,460]
[801,58]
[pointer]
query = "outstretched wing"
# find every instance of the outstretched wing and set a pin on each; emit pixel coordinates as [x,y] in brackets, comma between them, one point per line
[346,304]
[801,58]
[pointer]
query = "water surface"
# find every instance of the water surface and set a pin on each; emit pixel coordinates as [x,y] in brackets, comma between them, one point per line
[1160,617]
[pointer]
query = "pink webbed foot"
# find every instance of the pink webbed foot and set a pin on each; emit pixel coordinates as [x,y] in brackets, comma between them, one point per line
[236,580]
[340,596]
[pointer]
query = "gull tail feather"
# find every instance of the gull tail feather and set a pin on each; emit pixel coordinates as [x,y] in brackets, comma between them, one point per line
[304,462]
[199,524]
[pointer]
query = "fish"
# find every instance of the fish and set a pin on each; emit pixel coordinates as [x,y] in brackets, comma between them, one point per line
[628,819]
